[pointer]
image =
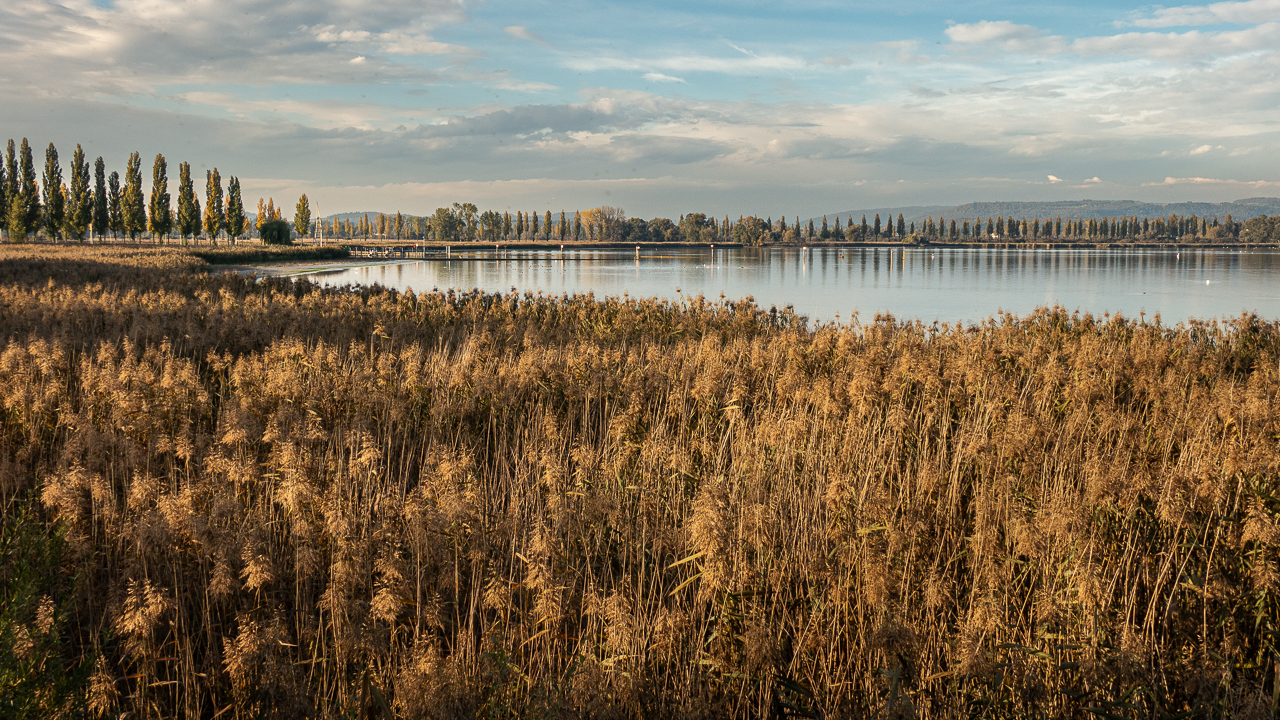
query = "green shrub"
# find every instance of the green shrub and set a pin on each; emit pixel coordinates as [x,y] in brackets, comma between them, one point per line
[276,232]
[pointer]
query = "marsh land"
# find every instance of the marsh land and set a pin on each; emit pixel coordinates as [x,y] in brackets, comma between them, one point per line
[235,497]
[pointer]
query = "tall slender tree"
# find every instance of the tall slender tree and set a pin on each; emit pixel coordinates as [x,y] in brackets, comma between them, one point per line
[51,189]
[79,198]
[15,208]
[10,172]
[133,209]
[115,211]
[215,218]
[188,218]
[101,220]
[4,187]
[563,228]
[235,210]
[302,218]
[261,217]
[160,215]
[29,192]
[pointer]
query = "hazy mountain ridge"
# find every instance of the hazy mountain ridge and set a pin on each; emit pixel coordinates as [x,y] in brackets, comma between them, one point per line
[1239,210]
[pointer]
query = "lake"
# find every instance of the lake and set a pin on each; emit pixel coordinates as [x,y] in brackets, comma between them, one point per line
[827,284]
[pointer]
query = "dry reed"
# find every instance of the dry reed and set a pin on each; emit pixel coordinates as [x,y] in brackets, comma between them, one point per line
[283,501]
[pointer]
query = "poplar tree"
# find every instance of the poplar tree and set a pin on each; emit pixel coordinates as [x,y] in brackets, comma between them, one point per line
[10,175]
[902,226]
[101,220]
[54,203]
[15,208]
[235,210]
[302,217]
[132,205]
[188,218]
[160,217]
[79,198]
[577,225]
[261,218]
[4,187]
[563,229]
[16,220]
[115,212]
[215,218]
[533,229]
[28,192]
[546,224]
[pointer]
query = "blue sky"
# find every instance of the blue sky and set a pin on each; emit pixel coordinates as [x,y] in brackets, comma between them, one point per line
[661,108]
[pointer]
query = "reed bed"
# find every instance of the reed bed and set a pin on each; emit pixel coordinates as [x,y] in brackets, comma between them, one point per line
[239,499]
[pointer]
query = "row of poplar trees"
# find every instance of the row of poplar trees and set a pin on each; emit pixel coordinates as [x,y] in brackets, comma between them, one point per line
[73,209]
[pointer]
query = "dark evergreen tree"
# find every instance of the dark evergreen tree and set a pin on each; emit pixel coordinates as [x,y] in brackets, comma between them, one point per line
[546,224]
[79,198]
[563,227]
[875,229]
[51,190]
[902,226]
[101,220]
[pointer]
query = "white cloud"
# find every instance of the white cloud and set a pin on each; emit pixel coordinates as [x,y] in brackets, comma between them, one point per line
[524,33]
[1256,184]
[659,77]
[686,63]
[1251,11]
[1054,179]
[132,47]
[1005,35]
[1175,46]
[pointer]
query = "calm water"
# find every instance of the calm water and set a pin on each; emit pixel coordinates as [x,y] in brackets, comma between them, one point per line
[830,283]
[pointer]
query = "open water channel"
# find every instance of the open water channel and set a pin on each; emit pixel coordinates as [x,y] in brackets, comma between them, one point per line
[831,284]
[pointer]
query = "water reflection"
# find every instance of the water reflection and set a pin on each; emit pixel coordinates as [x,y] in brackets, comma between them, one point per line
[929,284]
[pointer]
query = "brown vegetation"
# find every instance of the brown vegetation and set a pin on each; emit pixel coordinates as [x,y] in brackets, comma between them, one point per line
[273,500]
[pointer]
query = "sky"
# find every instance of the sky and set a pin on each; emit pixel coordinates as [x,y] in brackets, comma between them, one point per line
[659,107]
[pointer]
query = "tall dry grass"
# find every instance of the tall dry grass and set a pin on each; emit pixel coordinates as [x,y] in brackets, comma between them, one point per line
[282,501]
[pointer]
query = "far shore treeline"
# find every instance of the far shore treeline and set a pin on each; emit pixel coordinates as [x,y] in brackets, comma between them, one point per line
[105,205]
